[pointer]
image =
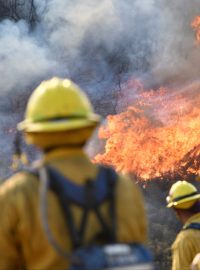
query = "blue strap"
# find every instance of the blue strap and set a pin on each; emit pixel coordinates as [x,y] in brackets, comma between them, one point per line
[89,197]
[194,225]
[76,193]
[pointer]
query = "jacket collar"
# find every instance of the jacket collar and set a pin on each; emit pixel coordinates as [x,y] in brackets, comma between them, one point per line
[193,219]
[64,152]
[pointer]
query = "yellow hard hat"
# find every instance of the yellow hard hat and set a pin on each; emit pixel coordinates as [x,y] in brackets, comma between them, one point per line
[58,105]
[182,195]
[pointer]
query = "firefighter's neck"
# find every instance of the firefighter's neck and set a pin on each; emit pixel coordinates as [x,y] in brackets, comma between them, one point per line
[183,215]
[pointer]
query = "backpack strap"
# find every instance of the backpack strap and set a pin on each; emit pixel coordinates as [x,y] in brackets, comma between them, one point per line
[89,197]
[108,232]
[44,187]
[194,226]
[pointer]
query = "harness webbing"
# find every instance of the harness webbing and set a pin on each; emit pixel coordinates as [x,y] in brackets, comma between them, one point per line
[89,197]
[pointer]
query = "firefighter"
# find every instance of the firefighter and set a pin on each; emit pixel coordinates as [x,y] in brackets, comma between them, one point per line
[184,199]
[59,120]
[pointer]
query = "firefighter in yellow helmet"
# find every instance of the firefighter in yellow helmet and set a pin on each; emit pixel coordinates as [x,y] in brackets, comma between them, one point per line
[59,120]
[184,199]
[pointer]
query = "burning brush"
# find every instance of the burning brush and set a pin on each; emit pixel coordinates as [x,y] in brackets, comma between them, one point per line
[157,136]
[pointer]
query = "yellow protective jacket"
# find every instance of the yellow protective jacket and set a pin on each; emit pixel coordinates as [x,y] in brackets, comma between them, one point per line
[23,242]
[186,246]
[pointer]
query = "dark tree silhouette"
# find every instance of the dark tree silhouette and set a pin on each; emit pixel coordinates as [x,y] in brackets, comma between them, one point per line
[19,9]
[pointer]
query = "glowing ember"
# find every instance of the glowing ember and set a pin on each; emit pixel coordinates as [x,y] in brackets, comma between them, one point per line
[155,134]
[196,26]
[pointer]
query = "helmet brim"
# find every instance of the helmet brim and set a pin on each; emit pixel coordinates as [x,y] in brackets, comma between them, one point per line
[58,125]
[192,198]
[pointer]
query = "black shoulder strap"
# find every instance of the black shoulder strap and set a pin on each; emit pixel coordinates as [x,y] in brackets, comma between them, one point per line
[89,197]
[194,226]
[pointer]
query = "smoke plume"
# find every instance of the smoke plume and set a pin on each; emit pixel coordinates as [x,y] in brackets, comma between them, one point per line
[97,44]
[96,41]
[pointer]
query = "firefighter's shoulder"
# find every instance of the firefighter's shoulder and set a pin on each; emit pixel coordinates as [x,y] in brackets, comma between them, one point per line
[18,182]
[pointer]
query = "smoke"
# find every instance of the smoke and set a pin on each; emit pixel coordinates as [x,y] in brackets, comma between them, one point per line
[92,41]
[176,56]
[23,59]
[99,44]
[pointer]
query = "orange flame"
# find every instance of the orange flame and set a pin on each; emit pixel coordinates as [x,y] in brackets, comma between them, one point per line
[196,26]
[155,133]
